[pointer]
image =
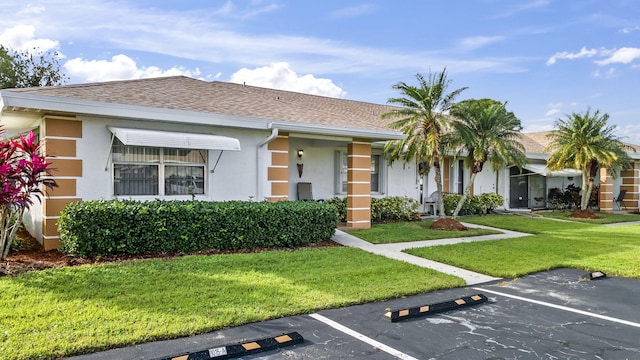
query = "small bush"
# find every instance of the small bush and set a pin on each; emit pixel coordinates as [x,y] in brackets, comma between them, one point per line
[382,209]
[132,227]
[393,208]
[474,204]
[341,205]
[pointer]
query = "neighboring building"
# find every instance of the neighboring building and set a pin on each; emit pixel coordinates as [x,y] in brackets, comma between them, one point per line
[178,138]
[529,188]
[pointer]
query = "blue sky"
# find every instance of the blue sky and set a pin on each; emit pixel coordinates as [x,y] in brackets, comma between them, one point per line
[547,58]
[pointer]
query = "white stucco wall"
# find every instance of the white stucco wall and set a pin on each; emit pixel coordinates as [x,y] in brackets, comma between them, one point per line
[234,177]
[320,169]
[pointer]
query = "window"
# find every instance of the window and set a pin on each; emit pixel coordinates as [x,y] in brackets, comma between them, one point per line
[138,170]
[341,173]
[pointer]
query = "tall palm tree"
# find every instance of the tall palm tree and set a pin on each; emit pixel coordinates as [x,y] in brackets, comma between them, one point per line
[421,116]
[586,142]
[484,131]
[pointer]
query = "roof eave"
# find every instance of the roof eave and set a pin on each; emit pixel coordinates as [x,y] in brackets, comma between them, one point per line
[10,99]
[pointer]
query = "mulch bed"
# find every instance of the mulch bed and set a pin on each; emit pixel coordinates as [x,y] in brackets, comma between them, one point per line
[32,257]
[584,214]
[448,224]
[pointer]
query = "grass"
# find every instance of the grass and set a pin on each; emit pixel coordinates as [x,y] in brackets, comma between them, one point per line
[57,313]
[411,231]
[614,250]
[604,217]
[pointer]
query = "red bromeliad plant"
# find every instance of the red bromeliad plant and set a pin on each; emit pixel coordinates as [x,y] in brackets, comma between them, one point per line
[24,174]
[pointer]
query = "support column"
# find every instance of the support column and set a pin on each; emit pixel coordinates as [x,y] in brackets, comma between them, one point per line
[359,184]
[630,182]
[446,175]
[59,136]
[606,191]
[278,171]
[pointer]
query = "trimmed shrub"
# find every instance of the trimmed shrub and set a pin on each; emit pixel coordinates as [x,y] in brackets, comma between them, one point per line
[491,201]
[96,228]
[393,208]
[341,205]
[474,204]
[390,208]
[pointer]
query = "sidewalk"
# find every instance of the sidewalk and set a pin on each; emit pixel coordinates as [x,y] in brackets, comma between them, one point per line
[394,251]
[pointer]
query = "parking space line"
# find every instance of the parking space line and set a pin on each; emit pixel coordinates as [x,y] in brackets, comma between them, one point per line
[363,338]
[560,307]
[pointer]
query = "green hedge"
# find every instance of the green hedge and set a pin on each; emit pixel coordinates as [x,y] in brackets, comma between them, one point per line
[96,228]
[382,209]
[474,204]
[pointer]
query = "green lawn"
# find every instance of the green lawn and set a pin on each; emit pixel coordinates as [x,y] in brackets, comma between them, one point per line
[614,250]
[56,313]
[604,218]
[411,231]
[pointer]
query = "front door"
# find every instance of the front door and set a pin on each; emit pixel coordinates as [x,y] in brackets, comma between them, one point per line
[519,192]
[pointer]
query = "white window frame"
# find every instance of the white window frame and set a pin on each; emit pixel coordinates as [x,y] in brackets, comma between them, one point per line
[341,168]
[161,163]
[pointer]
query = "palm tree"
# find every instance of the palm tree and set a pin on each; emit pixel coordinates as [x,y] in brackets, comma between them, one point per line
[586,142]
[421,117]
[484,131]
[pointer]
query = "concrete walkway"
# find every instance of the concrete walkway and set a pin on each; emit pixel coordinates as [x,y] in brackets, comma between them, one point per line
[394,251]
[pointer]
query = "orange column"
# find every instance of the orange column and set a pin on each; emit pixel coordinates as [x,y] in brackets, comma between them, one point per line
[59,136]
[606,191]
[446,175]
[359,184]
[630,182]
[278,172]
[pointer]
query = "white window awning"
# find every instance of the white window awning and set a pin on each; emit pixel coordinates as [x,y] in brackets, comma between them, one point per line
[544,171]
[157,138]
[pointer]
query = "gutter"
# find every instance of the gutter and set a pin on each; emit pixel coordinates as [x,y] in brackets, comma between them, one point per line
[260,160]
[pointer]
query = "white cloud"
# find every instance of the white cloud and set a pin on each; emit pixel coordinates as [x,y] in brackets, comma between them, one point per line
[475,42]
[523,7]
[22,37]
[353,11]
[630,29]
[120,67]
[552,112]
[557,108]
[629,133]
[570,56]
[623,55]
[607,74]
[280,76]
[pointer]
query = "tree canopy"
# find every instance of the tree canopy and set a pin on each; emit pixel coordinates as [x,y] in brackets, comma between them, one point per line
[20,69]
[586,142]
[484,131]
[421,116]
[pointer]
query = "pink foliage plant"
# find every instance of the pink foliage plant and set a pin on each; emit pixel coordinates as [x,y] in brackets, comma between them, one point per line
[25,174]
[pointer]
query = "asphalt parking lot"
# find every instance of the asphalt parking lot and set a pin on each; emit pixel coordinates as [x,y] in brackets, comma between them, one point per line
[549,315]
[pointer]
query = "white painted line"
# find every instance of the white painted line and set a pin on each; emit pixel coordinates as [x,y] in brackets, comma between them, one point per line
[389,350]
[560,307]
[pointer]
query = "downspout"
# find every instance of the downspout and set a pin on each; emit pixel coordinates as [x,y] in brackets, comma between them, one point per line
[260,159]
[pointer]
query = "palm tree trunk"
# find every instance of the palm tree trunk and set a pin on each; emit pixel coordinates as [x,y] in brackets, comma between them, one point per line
[465,195]
[440,200]
[586,190]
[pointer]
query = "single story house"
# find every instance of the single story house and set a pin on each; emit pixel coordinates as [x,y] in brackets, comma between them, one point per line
[182,138]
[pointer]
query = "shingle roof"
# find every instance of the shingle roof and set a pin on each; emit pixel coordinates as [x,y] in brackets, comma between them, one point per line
[184,93]
[536,142]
